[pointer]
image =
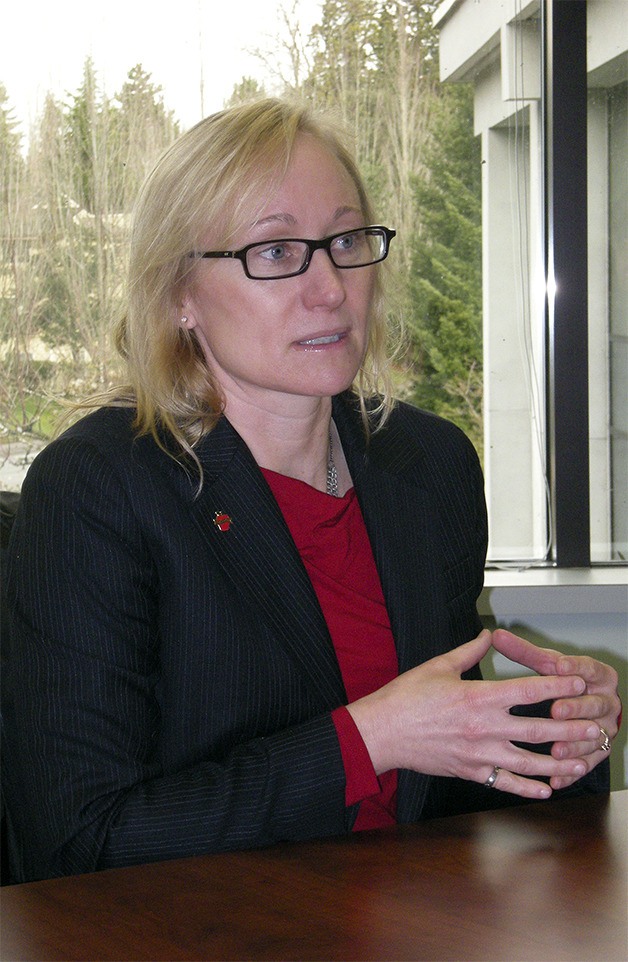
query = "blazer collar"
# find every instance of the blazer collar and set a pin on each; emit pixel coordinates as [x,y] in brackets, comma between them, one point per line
[401,519]
[256,551]
[389,449]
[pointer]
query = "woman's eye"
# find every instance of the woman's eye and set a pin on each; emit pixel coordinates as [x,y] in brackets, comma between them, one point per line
[274,253]
[346,243]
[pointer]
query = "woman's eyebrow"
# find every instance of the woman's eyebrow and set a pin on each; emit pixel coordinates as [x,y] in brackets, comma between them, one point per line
[346,209]
[288,219]
[279,218]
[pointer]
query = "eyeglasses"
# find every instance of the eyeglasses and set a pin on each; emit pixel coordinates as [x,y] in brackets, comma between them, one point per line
[275,259]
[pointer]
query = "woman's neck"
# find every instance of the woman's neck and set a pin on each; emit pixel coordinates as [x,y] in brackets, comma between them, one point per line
[293,440]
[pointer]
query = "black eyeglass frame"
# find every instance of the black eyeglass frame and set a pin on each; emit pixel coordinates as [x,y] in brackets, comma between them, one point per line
[312,245]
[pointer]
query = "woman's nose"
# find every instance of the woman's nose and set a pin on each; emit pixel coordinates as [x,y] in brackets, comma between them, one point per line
[323,281]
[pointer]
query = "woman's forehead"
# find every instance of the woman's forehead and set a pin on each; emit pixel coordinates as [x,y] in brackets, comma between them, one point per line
[314,181]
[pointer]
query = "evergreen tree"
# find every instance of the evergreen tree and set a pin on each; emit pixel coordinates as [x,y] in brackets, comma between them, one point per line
[82,118]
[446,318]
[142,127]
[247,90]
[342,75]
[24,380]
[406,80]
[90,157]
[11,161]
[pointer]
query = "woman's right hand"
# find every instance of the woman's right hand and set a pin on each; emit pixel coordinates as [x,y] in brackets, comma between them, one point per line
[430,720]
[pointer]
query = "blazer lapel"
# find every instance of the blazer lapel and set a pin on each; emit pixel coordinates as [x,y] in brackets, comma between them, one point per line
[254,548]
[401,522]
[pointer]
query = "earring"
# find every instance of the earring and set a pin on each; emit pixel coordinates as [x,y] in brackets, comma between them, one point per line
[183,321]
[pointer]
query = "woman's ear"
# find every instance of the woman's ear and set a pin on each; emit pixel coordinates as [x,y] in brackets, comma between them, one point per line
[187,317]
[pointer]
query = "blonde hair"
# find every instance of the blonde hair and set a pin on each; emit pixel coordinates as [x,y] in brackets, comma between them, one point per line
[209,182]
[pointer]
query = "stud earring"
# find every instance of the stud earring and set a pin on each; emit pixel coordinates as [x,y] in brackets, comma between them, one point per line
[183,321]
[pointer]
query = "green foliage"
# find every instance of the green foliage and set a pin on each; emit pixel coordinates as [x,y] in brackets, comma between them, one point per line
[377,63]
[247,90]
[82,116]
[10,144]
[36,415]
[445,316]
[345,40]
[140,128]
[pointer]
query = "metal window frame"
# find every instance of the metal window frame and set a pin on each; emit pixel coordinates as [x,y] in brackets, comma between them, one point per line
[565,123]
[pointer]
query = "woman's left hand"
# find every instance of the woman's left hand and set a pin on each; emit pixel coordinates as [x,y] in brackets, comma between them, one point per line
[599,702]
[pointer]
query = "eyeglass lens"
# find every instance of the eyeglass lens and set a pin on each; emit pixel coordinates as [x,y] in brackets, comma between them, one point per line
[280,258]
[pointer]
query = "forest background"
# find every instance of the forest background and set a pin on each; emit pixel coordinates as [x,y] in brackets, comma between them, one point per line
[65,207]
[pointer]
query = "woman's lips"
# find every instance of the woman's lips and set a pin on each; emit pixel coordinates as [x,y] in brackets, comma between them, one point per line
[322,340]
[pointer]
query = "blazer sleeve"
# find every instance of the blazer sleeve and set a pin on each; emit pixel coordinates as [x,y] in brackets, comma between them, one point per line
[83,779]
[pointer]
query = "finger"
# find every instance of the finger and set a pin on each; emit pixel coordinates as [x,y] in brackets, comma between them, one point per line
[464,657]
[540,731]
[532,689]
[529,764]
[560,781]
[564,781]
[523,652]
[602,709]
[595,673]
[507,781]
[586,706]
[575,749]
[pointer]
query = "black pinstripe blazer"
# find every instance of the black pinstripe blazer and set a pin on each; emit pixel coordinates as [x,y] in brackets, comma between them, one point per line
[168,686]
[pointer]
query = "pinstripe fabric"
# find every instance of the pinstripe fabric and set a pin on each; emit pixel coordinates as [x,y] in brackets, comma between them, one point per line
[169,685]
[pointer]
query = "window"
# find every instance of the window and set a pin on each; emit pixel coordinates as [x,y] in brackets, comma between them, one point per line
[480,126]
[550,78]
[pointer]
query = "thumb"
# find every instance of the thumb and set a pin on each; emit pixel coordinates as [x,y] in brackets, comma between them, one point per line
[466,656]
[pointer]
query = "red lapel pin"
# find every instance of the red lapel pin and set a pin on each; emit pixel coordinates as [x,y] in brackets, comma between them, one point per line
[222,521]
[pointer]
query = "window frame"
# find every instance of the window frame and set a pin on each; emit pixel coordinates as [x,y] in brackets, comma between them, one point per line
[567,358]
[536,67]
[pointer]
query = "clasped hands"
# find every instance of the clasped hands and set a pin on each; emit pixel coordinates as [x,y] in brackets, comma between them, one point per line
[430,720]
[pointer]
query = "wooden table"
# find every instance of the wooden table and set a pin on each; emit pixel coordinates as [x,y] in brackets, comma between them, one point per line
[540,882]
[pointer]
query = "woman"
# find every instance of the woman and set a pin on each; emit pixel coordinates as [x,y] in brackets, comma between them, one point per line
[243,592]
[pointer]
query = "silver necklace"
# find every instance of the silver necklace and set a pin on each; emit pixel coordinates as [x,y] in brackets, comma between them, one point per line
[332,473]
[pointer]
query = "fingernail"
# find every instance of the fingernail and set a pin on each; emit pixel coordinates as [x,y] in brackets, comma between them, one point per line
[593,731]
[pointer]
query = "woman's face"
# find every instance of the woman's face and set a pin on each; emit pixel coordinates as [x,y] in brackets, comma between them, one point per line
[270,341]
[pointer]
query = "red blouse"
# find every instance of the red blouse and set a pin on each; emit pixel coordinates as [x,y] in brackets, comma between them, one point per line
[332,540]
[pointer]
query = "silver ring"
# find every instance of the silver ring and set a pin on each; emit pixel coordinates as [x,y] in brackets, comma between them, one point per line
[606,744]
[492,778]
